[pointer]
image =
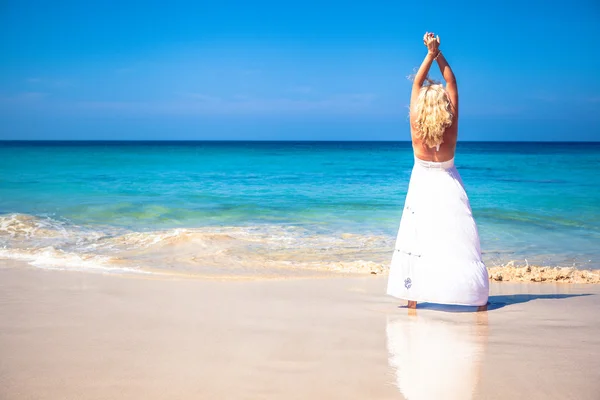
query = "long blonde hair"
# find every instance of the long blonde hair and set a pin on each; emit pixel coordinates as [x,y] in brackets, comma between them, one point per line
[433,113]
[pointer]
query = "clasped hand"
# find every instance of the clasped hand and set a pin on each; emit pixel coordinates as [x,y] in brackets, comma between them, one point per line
[432,43]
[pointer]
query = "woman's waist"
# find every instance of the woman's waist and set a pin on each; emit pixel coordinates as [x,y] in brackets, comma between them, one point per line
[434,164]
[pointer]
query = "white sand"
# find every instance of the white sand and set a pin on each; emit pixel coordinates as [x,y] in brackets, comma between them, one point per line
[73,335]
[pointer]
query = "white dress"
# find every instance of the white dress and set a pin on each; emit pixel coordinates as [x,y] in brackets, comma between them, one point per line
[437,257]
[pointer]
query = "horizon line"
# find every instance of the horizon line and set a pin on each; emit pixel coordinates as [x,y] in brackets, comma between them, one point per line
[271,141]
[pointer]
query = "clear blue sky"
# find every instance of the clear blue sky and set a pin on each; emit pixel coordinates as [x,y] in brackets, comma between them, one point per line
[336,70]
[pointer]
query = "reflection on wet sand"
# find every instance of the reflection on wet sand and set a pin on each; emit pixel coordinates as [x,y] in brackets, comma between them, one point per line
[437,355]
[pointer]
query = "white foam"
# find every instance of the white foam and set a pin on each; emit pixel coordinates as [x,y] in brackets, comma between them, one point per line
[24,225]
[51,244]
[147,239]
[51,258]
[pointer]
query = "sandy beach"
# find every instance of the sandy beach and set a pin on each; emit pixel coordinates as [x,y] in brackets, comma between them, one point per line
[74,335]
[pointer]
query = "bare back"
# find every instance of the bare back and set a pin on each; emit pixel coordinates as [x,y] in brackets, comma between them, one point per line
[446,150]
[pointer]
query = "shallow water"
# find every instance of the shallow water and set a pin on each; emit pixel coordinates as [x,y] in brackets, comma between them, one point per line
[279,207]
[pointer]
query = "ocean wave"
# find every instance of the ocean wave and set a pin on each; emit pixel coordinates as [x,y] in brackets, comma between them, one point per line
[233,251]
[28,231]
[23,225]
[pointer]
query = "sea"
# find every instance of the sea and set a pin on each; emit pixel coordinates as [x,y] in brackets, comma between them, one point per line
[242,209]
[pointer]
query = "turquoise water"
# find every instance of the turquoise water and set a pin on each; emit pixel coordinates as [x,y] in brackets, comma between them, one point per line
[534,201]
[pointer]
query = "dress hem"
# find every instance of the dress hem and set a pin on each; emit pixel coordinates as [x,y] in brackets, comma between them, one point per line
[437,302]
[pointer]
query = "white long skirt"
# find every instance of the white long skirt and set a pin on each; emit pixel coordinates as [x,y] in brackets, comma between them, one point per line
[437,257]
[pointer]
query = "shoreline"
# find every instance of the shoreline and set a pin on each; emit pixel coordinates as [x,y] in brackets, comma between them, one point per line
[242,251]
[508,273]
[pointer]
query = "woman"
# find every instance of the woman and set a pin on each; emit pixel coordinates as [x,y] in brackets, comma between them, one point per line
[437,257]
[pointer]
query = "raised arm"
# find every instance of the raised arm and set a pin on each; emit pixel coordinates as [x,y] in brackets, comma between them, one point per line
[421,75]
[432,51]
[450,79]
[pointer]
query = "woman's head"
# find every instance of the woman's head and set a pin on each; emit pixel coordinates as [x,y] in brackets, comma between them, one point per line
[433,113]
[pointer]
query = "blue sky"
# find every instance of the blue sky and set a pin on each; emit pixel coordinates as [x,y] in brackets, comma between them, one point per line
[277,70]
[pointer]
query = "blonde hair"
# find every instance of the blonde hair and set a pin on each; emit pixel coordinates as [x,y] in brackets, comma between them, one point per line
[433,113]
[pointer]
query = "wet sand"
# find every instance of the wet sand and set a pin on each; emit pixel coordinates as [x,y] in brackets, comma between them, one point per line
[74,335]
